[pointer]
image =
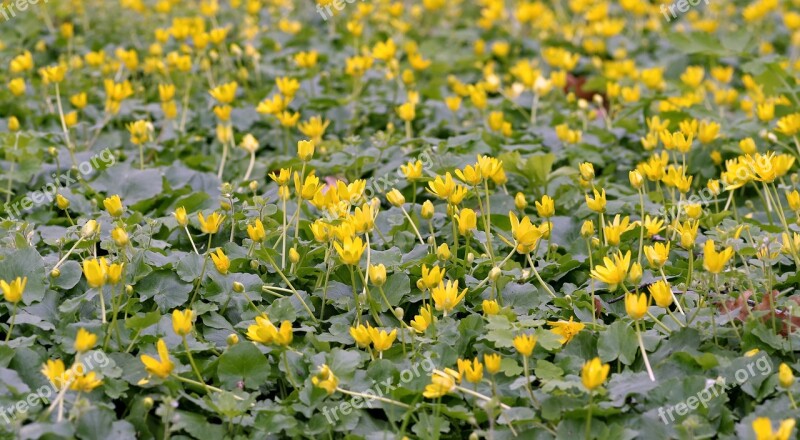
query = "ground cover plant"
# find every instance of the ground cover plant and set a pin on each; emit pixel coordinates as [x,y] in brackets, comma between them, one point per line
[399,219]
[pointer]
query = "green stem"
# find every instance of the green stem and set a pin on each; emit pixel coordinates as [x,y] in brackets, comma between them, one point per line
[191,361]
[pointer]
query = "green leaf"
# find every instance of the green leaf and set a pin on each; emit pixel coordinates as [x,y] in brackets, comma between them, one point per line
[243,362]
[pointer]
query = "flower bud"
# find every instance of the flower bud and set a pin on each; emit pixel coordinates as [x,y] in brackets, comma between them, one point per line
[119,236]
[128,289]
[238,287]
[62,202]
[89,228]
[147,402]
[427,210]
[494,273]
[399,312]
[294,256]
[443,252]
[253,185]
[55,273]
[232,339]
[519,201]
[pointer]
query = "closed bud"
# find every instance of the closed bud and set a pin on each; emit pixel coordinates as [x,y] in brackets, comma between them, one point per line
[225,206]
[494,273]
[399,312]
[128,289]
[587,230]
[427,210]
[595,242]
[253,185]
[62,202]
[253,264]
[420,284]
[443,252]
[89,228]
[294,256]
[147,402]
[636,179]
[55,273]
[238,287]
[470,258]
[232,339]
[519,201]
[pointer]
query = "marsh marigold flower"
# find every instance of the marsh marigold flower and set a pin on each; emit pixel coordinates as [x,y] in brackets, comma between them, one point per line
[714,261]
[566,329]
[762,427]
[163,366]
[594,373]
[114,206]
[12,292]
[446,296]
[182,322]
[221,261]
[211,224]
[636,305]
[325,379]
[84,341]
[350,250]
[613,271]
[525,344]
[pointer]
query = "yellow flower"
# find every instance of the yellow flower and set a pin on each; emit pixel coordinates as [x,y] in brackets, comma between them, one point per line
[256,231]
[636,305]
[287,86]
[314,128]
[119,236]
[424,319]
[657,255]
[587,229]
[785,376]
[714,261]
[519,201]
[84,341]
[262,331]
[432,277]
[55,372]
[17,86]
[325,379]
[587,170]
[446,296]
[350,250]
[384,50]
[114,206]
[525,344]
[688,233]
[53,74]
[440,385]
[115,273]
[85,383]
[282,176]
[492,362]
[361,335]
[613,272]
[661,293]
[442,188]
[794,200]
[211,224]
[406,111]
[525,234]
[412,170]
[616,228]
[472,370]
[762,427]
[427,210]
[381,341]
[471,175]
[140,131]
[96,272]
[566,329]
[490,307]
[284,335]
[224,93]
[307,189]
[161,367]
[305,150]
[598,204]
[288,119]
[395,197]
[377,274]
[546,208]
[466,220]
[13,292]
[221,261]
[180,216]
[594,373]
[363,219]
[182,322]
